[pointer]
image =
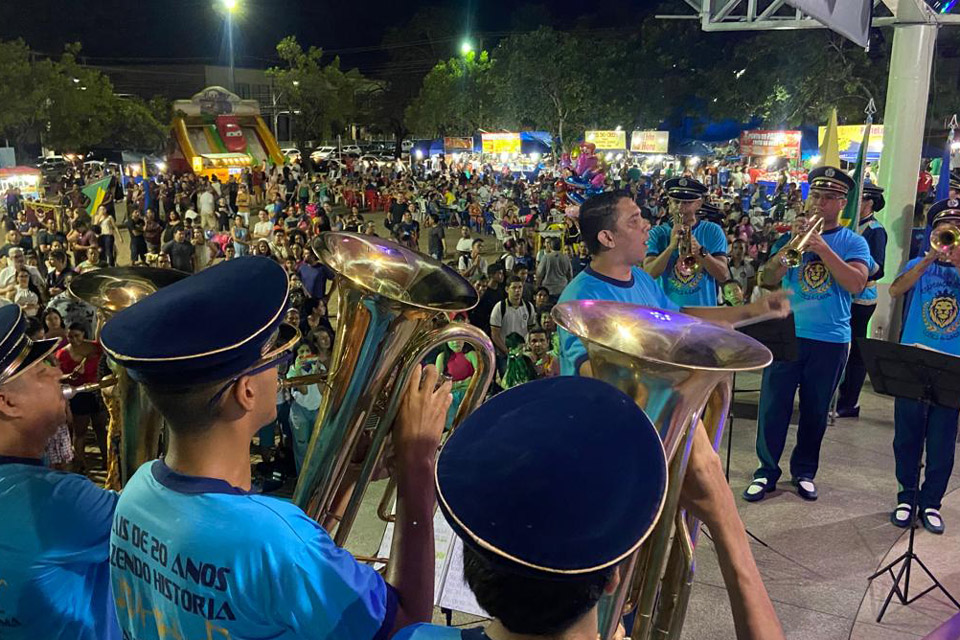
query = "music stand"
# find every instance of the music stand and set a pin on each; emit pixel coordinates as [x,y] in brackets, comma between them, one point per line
[779,336]
[933,379]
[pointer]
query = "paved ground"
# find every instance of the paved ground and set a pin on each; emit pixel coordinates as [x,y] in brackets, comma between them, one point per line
[819,554]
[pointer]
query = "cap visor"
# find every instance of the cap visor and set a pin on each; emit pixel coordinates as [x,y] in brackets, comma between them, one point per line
[38,351]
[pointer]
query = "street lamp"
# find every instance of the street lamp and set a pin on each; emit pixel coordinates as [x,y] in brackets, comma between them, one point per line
[466,47]
[230,7]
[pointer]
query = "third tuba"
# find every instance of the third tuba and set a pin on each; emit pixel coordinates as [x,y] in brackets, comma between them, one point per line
[679,370]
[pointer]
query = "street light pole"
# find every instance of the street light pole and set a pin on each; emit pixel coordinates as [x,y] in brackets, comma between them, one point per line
[230,6]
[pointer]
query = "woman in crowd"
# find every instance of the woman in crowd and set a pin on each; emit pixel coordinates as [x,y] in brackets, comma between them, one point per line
[79,361]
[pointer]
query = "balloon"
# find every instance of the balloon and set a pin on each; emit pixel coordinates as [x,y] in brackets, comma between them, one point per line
[574,153]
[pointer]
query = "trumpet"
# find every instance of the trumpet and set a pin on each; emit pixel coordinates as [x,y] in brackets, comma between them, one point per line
[687,264]
[945,237]
[792,253]
[70,392]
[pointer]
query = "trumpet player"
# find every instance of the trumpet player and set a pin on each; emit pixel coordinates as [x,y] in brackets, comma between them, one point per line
[821,271]
[865,302]
[687,256]
[55,528]
[193,552]
[932,286]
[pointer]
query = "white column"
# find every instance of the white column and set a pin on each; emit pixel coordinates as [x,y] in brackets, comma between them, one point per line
[904,115]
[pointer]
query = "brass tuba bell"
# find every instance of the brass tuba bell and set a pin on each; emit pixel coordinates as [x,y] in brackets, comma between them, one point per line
[390,299]
[679,370]
[110,290]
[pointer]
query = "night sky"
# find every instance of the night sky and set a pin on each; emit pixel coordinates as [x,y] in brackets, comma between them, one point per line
[113,31]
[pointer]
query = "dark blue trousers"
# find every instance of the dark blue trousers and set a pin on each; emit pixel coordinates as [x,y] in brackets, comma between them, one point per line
[907,442]
[816,372]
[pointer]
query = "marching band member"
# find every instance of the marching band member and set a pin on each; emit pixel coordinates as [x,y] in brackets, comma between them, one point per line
[55,526]
[533,560]
[194,553]
[833,267]
[708,244]
[865,302]
[932,286]
[616,235]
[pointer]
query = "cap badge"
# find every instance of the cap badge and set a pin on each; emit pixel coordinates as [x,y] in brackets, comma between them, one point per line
[829,173]
[683,182]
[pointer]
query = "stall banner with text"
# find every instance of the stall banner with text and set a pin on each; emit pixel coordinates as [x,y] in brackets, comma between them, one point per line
[782,144]
[501,143]
[849,137]
[458,145]
[607,139]
[649,141]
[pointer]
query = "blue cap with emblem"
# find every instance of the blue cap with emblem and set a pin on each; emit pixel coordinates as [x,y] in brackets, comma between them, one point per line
[828,178]
[209,327]
[684,188]
[17,351]
[560,476]
[944,210]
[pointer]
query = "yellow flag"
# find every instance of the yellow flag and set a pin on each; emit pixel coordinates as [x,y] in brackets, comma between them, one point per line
[830,147]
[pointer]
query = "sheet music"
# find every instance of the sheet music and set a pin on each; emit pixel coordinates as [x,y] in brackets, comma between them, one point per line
[456,593]
[443,541]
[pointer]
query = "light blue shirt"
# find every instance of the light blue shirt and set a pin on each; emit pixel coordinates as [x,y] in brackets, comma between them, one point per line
[876,237]
[821,306]
[931,318]
[589,285]
[435,632]
[54,546]
[197,558]
[699,289]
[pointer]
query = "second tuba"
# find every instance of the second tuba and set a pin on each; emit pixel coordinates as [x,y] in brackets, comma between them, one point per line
[390,300]
[679,370]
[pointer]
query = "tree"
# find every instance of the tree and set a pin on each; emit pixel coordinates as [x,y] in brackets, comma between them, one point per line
[453,97]
[22,91]
[80,106]
[134,126]
[322,97]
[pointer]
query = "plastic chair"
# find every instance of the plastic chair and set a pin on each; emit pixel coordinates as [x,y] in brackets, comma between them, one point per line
[501,235]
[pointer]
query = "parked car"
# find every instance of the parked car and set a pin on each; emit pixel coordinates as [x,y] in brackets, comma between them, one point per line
[350,149]
[322,153]
[290,153]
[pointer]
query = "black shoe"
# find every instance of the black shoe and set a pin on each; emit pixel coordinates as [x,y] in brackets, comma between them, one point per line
[902,516]
[848,412]
[758,490]
[932,521]
[806,488]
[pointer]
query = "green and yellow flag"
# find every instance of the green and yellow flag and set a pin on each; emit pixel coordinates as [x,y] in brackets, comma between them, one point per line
[96,192]
[830,147]
[850,217]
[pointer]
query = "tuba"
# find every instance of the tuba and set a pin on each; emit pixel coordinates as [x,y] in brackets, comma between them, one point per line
[679,370]
[390,300]
[111,290]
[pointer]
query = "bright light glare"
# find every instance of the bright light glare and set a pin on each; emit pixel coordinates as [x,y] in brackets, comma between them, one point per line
[815,159]
[466,47]
[770,161]
[955,146]
[695,160]
[535,156]
[609,156]
[161,166]
[230,5]
[419,154]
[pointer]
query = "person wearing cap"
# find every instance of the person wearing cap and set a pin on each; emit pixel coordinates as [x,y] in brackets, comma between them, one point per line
[708,244]
[192,544]
[55,526]
[834,267]
[931,285]
[534,558]
[865,302]
[615,233]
